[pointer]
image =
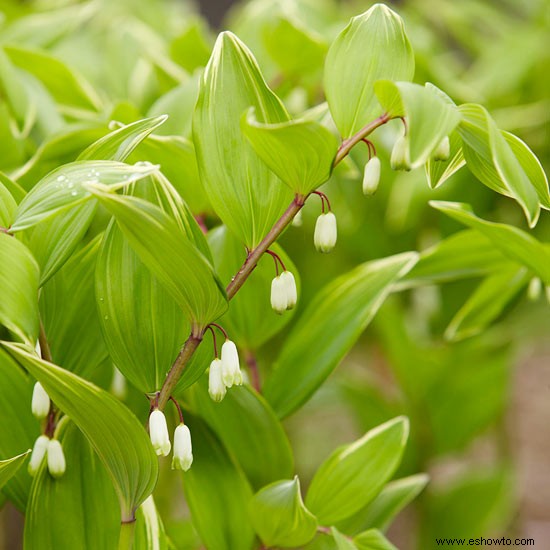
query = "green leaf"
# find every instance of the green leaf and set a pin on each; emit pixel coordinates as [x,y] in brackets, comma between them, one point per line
[379,513]
[492,160]
[141,322]
[16,191]
[300,152]
[487,302]
[15,412]
[70,316]
[64,84]
[296,49]
[245,194]
[77,510]
[115,433]
[279,516]
[373,46]
[217,493]
[53,240]
[9,467]
[150,533]
[118,145]
[250,319]
[66,187]
[19,275]
[328,328]
[342,542]
[514,243]
[176,157]
[250,431]
[429,117]
[8,205]
[373,540]
[164,247]
[439,171]
[463,255]
[354,474]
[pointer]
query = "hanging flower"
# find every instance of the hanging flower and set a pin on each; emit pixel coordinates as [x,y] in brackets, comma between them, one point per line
[158,431]
[371,176]
[183,452]
[40,404]
[443,150]
[56,458]
[39,451]
[216,387]
[230,364]
[326,232]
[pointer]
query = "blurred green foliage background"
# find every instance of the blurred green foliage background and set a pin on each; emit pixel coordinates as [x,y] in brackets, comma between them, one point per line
[478,406]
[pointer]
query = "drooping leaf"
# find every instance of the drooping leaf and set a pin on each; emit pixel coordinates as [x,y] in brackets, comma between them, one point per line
[514,243]
[77,510]
[114,432]
[65,187]
[373,46]
[166,249]
[69,314]
[250,431]
[463,255]
[250,319]
[487,302]
[279,516]
[379,513]
[491,157]
[65,85]
[328,328]
[300,152]
[217,493]
[119,144]
[19,274]
[354,474]
[245,194]
[9,467]
[15,412]
[429,117]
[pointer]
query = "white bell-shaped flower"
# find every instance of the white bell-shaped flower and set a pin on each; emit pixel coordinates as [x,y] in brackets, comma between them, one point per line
[216,387]
[290,288]
[326,232]
[399,159]
[371,176]
[40,403]
[278,295]
[39,451]
[443,150]
[56,458]
[158,431]
[183,452]
[230,363]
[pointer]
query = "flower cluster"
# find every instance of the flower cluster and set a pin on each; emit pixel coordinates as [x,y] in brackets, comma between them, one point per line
[225,372]
[52,449]
[283,292]
[160,439]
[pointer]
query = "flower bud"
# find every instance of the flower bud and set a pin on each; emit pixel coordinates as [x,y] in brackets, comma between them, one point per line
[400,155]
[298,220]
[279,300]
[230,363]
[38,453]
[290,289]
[534,289]
[443,150]
[158,431]
[326,232]
[183,452]
[216,387]
[119,387]
[40,404]
[56,458]
[371,176]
